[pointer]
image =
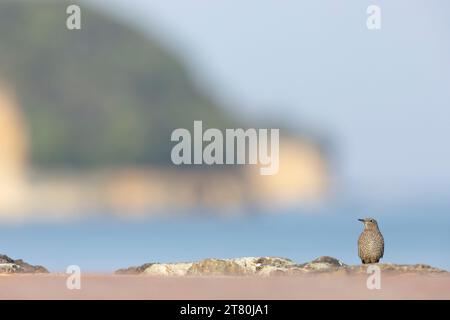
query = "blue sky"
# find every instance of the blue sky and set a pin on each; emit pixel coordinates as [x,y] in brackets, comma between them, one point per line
[382,96]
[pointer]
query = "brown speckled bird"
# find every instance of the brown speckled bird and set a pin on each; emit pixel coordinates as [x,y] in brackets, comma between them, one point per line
[370,242]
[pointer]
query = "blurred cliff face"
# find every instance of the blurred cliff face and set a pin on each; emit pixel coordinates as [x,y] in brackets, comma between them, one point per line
[88,125]
[13,143]
[13,152]
[102,95]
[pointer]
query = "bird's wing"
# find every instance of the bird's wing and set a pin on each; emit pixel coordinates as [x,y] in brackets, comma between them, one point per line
[359,245]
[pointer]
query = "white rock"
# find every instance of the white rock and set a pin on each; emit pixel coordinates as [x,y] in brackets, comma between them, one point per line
[268,271]
[248,263]
[8,267]
[168,269]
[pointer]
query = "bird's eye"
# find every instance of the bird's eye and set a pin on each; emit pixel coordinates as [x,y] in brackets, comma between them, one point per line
[371,220]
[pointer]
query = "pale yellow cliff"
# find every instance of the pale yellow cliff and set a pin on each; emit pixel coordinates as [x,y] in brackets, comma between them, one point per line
[13,154]
[24,191]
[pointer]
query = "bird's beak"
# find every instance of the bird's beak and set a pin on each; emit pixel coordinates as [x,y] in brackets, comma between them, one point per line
[362,220]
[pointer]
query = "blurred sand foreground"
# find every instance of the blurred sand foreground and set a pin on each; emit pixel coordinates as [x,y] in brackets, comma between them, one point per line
[53,286]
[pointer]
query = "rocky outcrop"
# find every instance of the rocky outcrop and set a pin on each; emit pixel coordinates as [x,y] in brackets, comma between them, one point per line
[134,270]
[218,267]
[268,266]
[8,265]
[397,268]
[320,264]
[168,269]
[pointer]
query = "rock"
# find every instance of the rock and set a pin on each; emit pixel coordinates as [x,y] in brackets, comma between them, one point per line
[396,268]
[249,264]
[238,266]
[9,268]
[5,259]
[134,270]
[321,264]
[241,266]
[217,267]
[269,271]
[268,266]
[329,261]
[8,265]
[273,266]
[274,262]
[168,269]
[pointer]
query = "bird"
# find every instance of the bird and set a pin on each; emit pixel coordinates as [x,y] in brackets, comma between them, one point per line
[370,242]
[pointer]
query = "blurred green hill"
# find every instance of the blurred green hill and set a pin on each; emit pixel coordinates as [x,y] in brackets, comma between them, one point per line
[103,95]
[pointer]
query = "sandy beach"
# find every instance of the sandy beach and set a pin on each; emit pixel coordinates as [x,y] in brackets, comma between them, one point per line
[53,286]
